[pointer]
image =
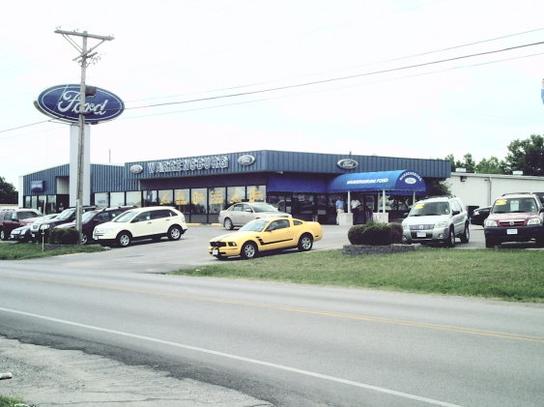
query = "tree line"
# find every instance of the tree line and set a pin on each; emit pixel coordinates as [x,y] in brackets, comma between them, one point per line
[523,155]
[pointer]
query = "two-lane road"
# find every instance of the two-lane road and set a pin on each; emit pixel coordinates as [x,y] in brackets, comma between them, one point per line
[291,345]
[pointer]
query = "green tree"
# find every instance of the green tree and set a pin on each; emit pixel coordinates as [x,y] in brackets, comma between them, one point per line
[467,163]
[8,194]
[491,165]
[437,188]
[526,155]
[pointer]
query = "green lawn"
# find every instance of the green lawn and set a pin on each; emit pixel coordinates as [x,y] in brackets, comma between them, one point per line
[515,275]
[10,402]
[18,251]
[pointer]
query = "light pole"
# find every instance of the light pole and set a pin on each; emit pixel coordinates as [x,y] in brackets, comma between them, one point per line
[85,54]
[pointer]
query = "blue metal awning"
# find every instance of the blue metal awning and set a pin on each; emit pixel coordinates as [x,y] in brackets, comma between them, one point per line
[400,181]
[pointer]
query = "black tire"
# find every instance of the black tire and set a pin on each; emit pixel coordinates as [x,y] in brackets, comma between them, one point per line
[450,240]
[305,242]
[227,224]
[3,235]
[490,243]
[465,237]
[174,233]
[84,238]
[124,239]
[249,251]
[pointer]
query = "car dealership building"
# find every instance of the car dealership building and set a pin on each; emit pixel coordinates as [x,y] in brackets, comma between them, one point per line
[306,185]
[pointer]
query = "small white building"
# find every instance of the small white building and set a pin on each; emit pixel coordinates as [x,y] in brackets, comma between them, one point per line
[477,190]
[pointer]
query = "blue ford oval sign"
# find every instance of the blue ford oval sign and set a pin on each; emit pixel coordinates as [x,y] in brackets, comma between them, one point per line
[246,160]
[347,163]
[63,102]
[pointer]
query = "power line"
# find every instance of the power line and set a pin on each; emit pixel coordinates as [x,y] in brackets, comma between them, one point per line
[25,125]
[339,78]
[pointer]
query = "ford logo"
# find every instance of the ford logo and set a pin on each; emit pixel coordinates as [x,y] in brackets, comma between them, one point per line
[63,102]
[347,163]
[136,169]
[410,180]
[246,160]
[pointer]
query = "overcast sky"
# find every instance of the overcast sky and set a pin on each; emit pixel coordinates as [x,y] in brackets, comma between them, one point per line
[173,51]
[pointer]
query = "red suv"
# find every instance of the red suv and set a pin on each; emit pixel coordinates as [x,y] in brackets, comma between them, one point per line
[14,218]
[515,218]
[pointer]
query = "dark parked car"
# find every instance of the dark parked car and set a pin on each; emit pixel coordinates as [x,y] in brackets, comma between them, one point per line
[91,219]
[14,218]
[515,218]
[66,216]
[23,233]
[480,215]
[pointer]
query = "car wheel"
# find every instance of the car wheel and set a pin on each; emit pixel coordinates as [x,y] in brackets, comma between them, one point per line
[3,235]
[84,238]
[123,239]
[228,224]
[465,237]
[450,240]
[249,250]
[174,233]
[305,242]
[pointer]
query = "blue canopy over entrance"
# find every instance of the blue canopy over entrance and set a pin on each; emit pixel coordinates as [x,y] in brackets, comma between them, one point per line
[399,181]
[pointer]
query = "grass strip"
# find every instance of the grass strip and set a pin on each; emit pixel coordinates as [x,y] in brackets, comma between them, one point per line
[19,251]
[11,402]
[512,275]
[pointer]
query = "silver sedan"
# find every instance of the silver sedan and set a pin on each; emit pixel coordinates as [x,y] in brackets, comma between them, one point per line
[241,213]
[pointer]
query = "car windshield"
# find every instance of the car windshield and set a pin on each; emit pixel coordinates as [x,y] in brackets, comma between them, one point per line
[430,209]
[27,215]
[65,214]
[263,207]
[125,217]
[256,225]
[87,216]
[515,205]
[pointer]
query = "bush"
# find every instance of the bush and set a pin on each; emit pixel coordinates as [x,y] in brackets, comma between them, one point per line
[64,236]
[375,234]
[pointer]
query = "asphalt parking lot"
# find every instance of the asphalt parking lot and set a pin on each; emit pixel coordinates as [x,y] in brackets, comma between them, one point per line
[192,249]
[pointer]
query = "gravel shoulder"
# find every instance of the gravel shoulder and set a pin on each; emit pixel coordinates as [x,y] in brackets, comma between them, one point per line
[44,377]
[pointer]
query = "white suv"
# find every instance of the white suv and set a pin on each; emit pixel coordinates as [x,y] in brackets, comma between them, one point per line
[439,219]
[152,222]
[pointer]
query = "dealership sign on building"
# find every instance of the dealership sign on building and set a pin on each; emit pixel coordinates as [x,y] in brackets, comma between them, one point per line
[63,102]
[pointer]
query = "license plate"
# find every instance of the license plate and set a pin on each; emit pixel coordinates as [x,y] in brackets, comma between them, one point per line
[511,231]
[215,251]
[421,234]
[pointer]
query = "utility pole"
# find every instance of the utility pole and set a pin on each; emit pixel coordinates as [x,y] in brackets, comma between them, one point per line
[85,56]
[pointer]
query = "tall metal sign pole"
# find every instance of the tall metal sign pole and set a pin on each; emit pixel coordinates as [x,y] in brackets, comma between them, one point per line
[85,56]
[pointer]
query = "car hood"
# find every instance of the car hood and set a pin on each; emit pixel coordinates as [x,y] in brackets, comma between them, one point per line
[27,221]
[512,216]
[233,236]
[67,225]
[425,220]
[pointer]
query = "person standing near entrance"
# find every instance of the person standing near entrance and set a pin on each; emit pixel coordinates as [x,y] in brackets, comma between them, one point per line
[339,209]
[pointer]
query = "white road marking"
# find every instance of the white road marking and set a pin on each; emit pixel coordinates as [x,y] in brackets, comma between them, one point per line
[239,358]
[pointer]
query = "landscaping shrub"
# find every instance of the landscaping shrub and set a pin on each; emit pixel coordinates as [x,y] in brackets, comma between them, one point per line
[64,236]
[375,234]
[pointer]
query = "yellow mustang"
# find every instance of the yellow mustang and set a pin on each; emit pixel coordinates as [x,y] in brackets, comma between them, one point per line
[261,235]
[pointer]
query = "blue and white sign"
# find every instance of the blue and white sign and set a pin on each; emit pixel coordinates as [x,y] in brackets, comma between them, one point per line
[37,186]
[347,163]
[400,181]
[246,160]
[63,102]
[136,169]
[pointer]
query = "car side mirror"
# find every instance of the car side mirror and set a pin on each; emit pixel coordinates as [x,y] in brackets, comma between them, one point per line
[455,213]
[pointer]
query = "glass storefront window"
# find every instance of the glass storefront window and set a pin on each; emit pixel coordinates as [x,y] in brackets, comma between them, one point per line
[166,197]
[101,199]
[34,202]
[41,203]
[199,200]
[235,194]
[256,193]
[217,199]
[151,198]
[117,199]
[181,197]
[51,204]
[28,203]
[134,198]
